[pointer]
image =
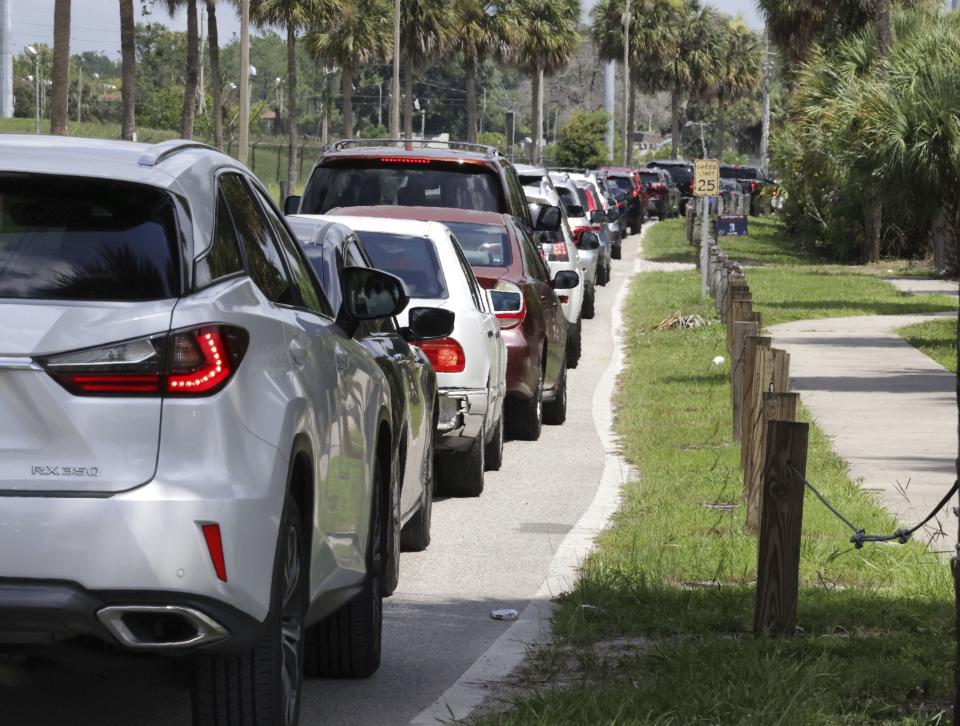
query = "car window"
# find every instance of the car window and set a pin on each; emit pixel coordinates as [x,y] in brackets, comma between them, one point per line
[475,291]
[519,200]
[71,238]
[623,183]
[532,258]
[484,245]
[355,256]
[312,298]
[405,182]
[413,259]
[264,263]
[223,258]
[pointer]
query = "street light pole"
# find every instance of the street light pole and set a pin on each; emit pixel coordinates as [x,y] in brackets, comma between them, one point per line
[244,141]
[36,77]
[626,84]
[395,81]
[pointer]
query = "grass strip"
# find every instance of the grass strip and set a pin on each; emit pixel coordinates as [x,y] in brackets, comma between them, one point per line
[936,338]
[657,629]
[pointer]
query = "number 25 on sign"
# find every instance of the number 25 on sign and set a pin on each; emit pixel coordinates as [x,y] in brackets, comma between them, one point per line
[706,178]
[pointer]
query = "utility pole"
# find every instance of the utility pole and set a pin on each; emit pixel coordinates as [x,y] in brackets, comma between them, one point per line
[380,103]
[6,59]
[79,92]
[244,141]
[626,84]
[765,133]
[609,92]
[202,101]
[395,82]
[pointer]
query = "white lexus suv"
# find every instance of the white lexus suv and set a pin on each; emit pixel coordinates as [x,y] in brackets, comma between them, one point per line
[195,458]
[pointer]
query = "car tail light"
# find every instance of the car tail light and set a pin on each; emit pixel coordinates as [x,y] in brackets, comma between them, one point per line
[577,231]
[211,534]
[508,304]
[634,194]
[403,160]
[445,355]
[658,187]
[557,252]
[620,205]
[564,299]
[196,361]
[753,186]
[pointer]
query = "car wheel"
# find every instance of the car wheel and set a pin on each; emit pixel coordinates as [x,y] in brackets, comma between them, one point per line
[555,411]
[662,209]
[346,644]
[603,275]
[525,418]
[415,535]
[461,473]
[493,456]
[587,311]
[617,251]
[223,684]
[391,566]
[574,343]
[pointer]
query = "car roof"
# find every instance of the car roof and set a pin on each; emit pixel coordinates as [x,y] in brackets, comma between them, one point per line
[426,214]
[669,162]
[400,148]
[373,223]
[530,170]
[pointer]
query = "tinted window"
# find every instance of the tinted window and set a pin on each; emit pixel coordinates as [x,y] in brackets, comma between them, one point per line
[367,182]
[223,258]
[86,239]
[263,259]
[738,172]
[532,257]
[649,177]
[412,259]
[530,180]
[475,292]
[484,245]
[681,173]
[623,183]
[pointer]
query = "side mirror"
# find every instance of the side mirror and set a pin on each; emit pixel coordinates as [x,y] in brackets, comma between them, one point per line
[589,241]
[566,280]
[549,219]
[429,323]
[575,210]
[597,216]
[291,205]
[613,214]
[370,294]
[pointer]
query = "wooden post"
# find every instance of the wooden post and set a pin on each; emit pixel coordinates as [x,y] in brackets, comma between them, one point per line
[781,370]
[742,331]
[756,359]
[778,558]
[777,406]
[740,309]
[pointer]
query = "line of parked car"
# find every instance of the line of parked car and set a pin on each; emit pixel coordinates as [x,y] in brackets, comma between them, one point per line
[223,422]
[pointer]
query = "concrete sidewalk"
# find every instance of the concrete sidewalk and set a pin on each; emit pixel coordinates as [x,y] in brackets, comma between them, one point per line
[889,410]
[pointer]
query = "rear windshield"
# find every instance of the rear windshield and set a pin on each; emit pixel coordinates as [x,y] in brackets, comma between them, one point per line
[649,177]
[738,172]
[484,245]
[680,172]
[86,239]
[623,183]
[371,182]
[530,180]
[412,259]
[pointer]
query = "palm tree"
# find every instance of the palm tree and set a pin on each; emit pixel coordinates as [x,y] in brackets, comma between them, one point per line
[61,67]
[188,115]
[548,38]
[738,71]
[295,16]
[128,72]
[482,29]
[360,34]
[216,89]
[426,28]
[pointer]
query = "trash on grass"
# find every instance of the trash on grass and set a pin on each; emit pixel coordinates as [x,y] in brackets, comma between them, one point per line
[504,614]
[718,361]
[679,320]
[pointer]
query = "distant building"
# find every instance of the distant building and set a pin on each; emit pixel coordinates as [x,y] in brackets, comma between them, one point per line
[6,59]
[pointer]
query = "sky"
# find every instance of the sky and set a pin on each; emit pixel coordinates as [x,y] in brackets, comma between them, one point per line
[96,23]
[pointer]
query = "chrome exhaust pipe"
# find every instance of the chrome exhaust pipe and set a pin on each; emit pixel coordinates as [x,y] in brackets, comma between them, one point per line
[160,627]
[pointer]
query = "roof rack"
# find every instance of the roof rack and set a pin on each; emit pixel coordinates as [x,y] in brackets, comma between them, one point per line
[410,144]
[570,169]
[165,149]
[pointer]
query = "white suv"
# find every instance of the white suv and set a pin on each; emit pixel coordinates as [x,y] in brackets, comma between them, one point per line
[196,459]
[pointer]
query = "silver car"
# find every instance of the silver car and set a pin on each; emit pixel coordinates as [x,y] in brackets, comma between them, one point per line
[196,458]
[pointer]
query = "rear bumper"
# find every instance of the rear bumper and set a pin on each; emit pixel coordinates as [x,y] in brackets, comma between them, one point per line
[462,415]
[48,611]
[523,368]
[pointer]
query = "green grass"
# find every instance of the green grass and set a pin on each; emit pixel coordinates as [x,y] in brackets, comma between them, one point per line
[936,338]
[876,644]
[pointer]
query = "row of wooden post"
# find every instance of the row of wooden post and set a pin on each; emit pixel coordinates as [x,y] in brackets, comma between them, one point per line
[773,444]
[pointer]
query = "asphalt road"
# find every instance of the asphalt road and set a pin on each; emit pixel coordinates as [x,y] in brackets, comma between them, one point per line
[486,553]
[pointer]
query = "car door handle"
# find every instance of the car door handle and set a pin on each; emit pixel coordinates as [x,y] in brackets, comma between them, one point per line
[298,353]
[343,360]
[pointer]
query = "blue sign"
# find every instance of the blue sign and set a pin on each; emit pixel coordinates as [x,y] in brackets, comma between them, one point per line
[732,225]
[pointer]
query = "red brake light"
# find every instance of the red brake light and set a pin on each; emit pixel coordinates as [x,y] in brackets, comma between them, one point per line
[634,194]
[198,362]
[564,299]
[445,355]
[404,160]
[753,186]
[559,251]
[211,533]
[577,231]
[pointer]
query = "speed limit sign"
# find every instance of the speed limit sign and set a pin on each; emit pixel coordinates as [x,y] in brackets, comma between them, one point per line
[706,178]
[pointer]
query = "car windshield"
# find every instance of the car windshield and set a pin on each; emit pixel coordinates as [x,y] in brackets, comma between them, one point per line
[649,177]
[405,183]
[67,238]
[484,245]
[412,259]
[530,180]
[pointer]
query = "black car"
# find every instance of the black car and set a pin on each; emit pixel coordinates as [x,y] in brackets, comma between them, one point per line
[750,181]
[682,173]
[331,247]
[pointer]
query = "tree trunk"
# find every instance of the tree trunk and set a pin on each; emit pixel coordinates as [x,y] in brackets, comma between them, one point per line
[470,59]
[347,83]
[395,75]
[884,35]
[407,99]
[631,122]
[674,122]
[61,67]
[293,157]
[190,87]
[216,90]
[872,222]
[537,120]
[721,127]
[128,72]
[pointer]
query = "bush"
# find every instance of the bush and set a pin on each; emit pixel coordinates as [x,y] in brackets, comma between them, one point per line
[581,142]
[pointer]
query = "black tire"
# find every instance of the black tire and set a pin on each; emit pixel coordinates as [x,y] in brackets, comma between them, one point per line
[589,294]
[346,644]
[493,456]
[555,411]
[617,251]
[525,416]
[250,689]
[603,274]
[662,209]
[415,535]
[391,565]
[461,474]
[574,343]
